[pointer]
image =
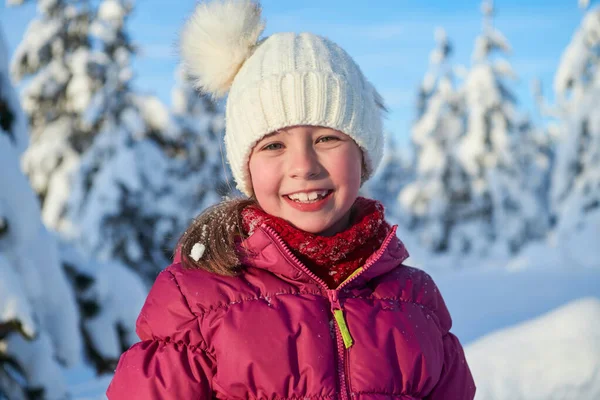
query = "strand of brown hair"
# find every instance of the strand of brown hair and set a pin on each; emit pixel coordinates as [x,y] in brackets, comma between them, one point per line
[219,229]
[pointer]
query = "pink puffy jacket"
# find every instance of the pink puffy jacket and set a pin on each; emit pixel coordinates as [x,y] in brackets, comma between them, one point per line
[277,332]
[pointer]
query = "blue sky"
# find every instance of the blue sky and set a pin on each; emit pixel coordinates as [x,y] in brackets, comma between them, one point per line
[390,39]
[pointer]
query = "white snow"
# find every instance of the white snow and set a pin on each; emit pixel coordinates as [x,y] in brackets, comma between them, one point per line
[121,294]
[15,306]
[575,189]
[39,34]
[157,116]
[41,366]
[111,10]
[474,190]
[37,278]
[197,251]
[34,291]
[553,356]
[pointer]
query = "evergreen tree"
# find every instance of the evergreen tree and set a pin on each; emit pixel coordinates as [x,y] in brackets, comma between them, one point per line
[109,297]
[504,208]
[63,75]
[38,316]
[435,200]
[122,207]
[148,171]
[52,299]
[200,174]
[575,192]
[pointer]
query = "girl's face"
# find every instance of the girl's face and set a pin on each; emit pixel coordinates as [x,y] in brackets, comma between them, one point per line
[307,175]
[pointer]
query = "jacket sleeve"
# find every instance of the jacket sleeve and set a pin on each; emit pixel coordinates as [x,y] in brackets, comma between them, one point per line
[171,361]
[455,381]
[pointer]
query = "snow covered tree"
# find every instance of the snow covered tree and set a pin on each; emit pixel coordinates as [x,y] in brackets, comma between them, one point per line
[575,192]
[200,173]
[39,323]
[116,172]
[52,299]
[435,201]
[62,74]
[109,298]
[120,208]
[148,171]
[504,209]
[481,168]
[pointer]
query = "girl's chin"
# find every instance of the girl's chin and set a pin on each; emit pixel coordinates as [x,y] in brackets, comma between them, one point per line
[325,222]
[315,228]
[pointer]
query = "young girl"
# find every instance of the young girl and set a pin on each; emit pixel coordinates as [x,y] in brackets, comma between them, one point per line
[298,291]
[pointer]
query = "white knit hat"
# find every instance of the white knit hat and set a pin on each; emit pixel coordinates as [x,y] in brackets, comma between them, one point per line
[283,80]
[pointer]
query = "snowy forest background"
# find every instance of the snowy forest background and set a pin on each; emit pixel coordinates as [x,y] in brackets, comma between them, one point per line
[97,182]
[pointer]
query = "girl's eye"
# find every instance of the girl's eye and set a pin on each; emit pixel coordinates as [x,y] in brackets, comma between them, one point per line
[328,139]
[273,146]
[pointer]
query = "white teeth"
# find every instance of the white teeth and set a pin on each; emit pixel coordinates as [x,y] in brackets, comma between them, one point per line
[311,196]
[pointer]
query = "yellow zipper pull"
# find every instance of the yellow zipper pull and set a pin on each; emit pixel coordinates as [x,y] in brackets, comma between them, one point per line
[341,322]
[338,314]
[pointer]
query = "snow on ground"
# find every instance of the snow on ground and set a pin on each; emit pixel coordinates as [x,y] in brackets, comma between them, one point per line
[555,356]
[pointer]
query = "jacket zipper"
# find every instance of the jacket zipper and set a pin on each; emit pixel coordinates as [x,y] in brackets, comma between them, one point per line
[341,342]
[372,261]
[344,283]
[343,338]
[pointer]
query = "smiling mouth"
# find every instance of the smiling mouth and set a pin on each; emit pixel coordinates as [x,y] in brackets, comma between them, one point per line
[310,197]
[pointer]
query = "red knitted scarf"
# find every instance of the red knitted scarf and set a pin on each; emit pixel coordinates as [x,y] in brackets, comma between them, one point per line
[331,258]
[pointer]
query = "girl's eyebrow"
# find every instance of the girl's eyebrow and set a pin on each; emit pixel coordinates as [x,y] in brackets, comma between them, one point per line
[278,131]
[266,138]
[281,131]
[270,135]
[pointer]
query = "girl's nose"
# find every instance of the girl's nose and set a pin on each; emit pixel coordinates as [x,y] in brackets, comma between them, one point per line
[304,164]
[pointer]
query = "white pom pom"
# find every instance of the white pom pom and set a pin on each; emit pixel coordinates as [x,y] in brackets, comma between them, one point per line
[217,39]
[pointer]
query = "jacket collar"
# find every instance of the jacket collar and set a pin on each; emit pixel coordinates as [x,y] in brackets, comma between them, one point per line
[266,250]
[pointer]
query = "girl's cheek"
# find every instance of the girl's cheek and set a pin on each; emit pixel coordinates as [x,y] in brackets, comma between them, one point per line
[266,166]
[263,175]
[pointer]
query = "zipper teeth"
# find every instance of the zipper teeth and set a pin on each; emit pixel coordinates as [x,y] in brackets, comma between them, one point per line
[347,369]
[374,259]
[293,257]
[320,281]
[338,334]
[344,388]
